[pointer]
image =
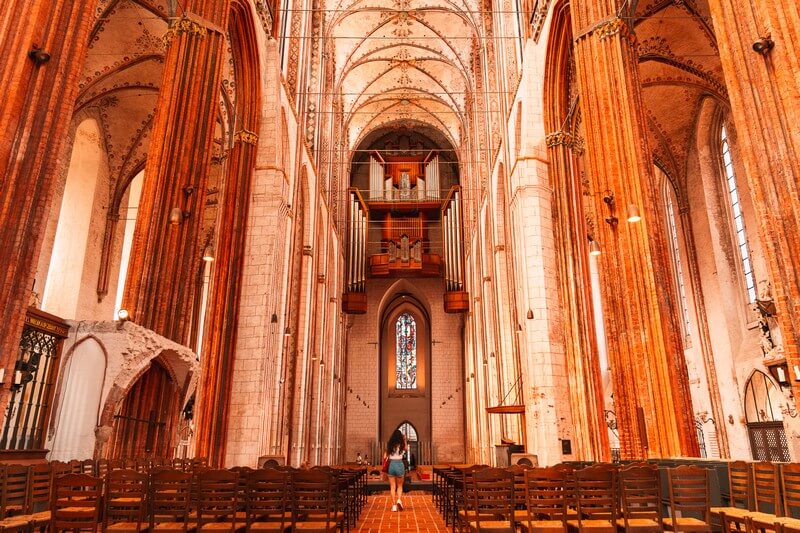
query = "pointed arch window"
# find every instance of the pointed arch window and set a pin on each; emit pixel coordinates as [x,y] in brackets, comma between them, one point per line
[406,352]
[675,252]
[738,218]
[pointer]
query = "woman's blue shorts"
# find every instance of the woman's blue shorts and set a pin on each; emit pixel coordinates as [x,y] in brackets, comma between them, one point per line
[396,468]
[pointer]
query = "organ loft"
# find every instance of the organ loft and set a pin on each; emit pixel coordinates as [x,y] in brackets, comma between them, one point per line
[248,232]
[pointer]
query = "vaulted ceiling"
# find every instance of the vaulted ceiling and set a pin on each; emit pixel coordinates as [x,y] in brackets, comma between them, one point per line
[404,62]
[679,68]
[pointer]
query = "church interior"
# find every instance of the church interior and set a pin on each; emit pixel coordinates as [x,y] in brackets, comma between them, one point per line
[241,233]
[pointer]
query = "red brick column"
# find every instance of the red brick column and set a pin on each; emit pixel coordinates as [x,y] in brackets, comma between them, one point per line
[36,110]
[765,103]
[159,291]
[222,320]
[651,389]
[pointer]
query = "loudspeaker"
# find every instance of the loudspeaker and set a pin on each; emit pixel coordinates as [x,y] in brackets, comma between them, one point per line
[525,459]
[271,461]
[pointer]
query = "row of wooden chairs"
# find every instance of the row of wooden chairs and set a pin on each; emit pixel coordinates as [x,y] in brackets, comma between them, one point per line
[597,498]
[127,500]
[764,496]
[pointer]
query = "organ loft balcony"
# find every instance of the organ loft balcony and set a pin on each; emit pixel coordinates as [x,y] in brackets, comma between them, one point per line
[406,224]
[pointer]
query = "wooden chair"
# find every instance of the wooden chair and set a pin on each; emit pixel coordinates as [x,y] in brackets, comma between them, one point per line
[766,497]
[740,483]
[17,523]
[493,501]
[640,495]
[790,488]
[597,501]
[688,499]
[14,496]
[314,502]
[216,500]
[125,501]
[41,483]
[520,513]
[545,501]
[463,497]
[170,497]
[268,501]
[76,503]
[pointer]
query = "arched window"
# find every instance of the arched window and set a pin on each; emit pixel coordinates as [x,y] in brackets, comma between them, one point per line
[738,218]
[406,352]
[675,252]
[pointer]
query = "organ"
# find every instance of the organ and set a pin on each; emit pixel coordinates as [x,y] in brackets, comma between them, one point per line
[404,226]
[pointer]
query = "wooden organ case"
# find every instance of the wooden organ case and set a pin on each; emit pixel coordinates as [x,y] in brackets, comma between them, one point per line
[405,226]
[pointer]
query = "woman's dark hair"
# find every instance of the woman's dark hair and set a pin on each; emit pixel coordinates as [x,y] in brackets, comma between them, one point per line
[395,441]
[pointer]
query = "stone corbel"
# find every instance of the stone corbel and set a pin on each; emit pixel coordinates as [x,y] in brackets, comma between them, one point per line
[193,25]
[246,136]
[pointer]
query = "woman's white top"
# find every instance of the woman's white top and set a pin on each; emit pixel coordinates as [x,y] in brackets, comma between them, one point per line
[396,455]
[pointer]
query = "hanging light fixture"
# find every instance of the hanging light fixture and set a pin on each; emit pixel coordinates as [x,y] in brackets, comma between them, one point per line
[208,253]
[633,213]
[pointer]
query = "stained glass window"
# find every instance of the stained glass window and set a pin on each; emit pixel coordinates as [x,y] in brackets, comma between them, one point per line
[406,352]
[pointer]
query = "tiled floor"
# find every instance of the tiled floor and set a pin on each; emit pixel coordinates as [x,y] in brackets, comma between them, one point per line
[418,515]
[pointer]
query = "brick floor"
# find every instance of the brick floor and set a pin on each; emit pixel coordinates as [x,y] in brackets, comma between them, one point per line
[418,515]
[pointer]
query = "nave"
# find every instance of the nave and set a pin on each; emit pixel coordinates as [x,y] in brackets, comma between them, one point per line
[419,515]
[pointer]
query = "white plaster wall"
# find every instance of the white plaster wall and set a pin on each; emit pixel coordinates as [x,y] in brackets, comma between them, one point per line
[83,380]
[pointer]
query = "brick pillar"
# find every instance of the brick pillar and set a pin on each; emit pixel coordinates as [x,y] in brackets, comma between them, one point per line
[36,111]
[165,258]
[765,103]
[651,389]
[221,326]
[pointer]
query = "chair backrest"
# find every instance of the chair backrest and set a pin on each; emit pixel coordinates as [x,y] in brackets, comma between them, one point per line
[101,468]
[216,497]
[741,485]
[244,473]
[170,497]
[545,494]
[493,495]
[76,503]
[88,466]
[125,498]
[596,492]
[790,487]
[116,464]
[766,494]
[14,497]
[689,491]
[313,493]
[268,496]
[640,493]
[41,483]
[519,484]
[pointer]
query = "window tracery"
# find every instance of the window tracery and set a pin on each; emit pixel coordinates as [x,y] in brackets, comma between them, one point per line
[738,218]
[406,352]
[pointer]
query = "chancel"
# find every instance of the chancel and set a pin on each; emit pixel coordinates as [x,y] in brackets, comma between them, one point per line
[532,243]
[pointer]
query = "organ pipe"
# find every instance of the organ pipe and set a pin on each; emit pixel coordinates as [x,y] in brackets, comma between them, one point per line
[376,178]
[432,176]
[351,253]
[457,240]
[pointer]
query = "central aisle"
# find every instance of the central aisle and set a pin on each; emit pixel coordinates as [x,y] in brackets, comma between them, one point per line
[419,515]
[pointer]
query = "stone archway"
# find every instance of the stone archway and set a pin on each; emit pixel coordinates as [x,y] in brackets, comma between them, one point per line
[405,375]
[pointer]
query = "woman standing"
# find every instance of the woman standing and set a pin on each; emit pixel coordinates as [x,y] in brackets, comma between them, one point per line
[397,471]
